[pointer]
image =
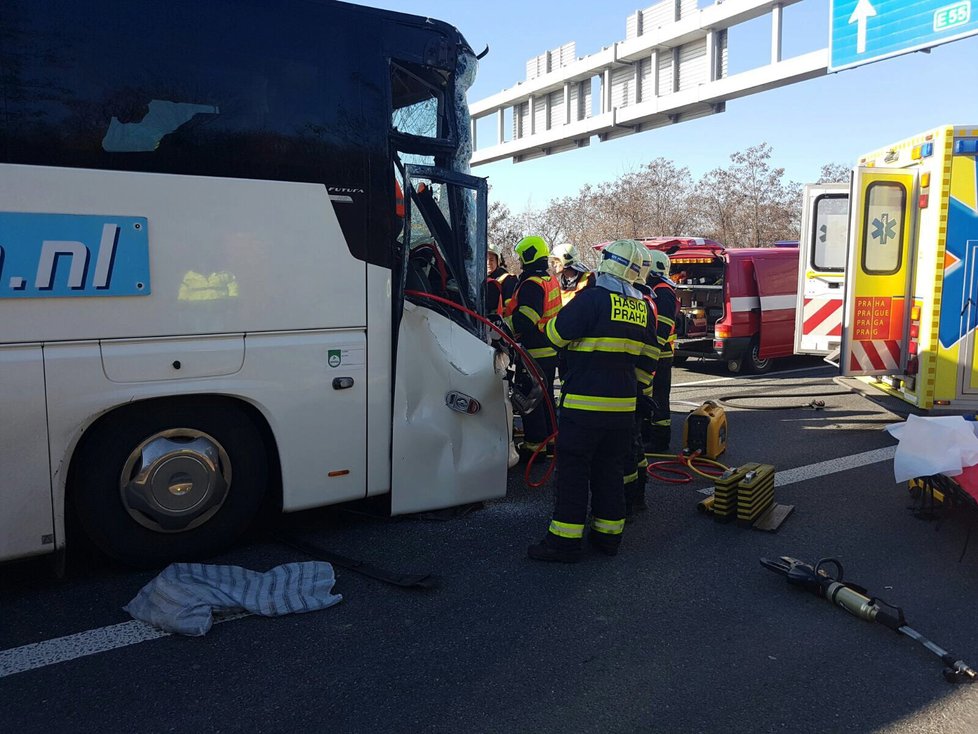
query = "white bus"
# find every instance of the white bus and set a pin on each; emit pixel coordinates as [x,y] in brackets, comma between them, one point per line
[209,214]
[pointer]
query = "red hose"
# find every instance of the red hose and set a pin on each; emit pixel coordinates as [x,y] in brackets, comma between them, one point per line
[679,468]
[533,371]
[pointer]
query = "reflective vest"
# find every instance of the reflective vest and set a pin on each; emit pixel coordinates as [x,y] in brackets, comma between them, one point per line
[494,296]
[502,290]
[566,294]
[535,341]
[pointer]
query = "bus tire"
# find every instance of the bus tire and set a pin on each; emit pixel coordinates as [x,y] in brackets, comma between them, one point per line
[169,480]
[753,359]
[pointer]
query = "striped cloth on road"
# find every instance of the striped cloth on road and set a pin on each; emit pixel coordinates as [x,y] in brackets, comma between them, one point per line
[185,596]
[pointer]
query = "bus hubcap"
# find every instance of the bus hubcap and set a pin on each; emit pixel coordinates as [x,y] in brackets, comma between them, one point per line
[175,480]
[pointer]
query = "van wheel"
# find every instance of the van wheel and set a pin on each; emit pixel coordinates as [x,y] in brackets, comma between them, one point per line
[757,365]
[168,481]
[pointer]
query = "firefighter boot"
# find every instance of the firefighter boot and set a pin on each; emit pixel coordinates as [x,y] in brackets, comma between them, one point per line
[604,543]
[635,499]
[556,549]
[657,438]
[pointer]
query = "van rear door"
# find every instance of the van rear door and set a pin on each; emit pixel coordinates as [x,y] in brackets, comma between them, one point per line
[776,283]
[821,268]
[874,337]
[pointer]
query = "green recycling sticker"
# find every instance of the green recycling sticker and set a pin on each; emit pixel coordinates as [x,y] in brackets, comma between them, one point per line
[334,357]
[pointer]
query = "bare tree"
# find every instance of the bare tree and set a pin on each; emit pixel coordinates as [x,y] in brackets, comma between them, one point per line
[746,204]
[834,173]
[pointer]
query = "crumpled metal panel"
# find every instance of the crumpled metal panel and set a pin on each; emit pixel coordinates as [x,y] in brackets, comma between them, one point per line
[442,458]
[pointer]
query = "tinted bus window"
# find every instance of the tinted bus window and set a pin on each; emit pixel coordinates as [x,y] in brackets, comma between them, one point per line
[883,235]
[831,229]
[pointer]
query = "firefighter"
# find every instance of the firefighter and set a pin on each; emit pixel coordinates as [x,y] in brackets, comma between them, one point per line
[637,463]
[657,431]
[500,283]
[535,301]
[573,275]
[609,341]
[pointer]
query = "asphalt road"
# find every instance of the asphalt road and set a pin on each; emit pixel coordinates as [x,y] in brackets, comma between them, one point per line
[682,632]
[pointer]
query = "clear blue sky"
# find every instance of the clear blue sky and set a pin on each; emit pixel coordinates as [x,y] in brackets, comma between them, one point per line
[832,119]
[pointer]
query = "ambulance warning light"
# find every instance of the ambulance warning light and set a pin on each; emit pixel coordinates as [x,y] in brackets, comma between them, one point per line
[926,150]
[966,146]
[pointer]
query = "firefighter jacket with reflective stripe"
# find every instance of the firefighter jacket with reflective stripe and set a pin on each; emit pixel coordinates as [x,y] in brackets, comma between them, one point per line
[535,302]
[610,351]
[570,287]
[506,282]
[667,306]
[644,378]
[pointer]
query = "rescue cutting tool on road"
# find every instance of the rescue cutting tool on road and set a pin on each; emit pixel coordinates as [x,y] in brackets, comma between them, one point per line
[852,597]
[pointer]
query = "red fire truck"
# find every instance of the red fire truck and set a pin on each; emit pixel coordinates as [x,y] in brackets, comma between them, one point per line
[736,304]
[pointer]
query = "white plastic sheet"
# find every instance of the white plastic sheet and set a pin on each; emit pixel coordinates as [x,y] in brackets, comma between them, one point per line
[933,445]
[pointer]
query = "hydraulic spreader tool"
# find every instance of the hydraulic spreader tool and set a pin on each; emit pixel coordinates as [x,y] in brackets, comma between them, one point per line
[853,599]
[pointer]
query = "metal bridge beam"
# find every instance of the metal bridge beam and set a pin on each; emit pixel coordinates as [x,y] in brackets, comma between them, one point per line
[659,76]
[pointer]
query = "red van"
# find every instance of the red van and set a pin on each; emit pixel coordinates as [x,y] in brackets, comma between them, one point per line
[736,304]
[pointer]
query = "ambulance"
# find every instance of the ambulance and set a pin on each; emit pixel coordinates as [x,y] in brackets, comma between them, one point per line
[821,269]
[911,285]
[737,305]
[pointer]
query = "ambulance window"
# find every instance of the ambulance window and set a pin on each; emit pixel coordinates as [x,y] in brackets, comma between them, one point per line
[829,235]
[886,204]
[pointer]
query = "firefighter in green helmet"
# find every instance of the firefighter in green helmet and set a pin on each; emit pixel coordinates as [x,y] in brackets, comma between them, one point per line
[535,302]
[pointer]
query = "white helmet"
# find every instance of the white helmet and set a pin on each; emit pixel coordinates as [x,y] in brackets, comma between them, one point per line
[660,263]
[566,253]
[646,264]
[622,259]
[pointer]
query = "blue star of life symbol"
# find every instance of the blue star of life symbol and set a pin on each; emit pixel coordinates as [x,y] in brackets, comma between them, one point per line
[884,230]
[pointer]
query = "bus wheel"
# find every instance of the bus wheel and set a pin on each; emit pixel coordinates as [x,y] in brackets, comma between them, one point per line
[166,481]
[757,365]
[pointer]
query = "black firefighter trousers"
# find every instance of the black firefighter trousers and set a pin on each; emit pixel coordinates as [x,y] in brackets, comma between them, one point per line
[591,458]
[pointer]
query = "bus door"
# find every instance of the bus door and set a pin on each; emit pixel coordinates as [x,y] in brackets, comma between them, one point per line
[25,491]
[821,268]
[450,439]
[878,275]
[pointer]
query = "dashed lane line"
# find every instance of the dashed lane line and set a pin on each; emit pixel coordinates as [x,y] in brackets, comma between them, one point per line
[79,645]
[833,466]
[745,379]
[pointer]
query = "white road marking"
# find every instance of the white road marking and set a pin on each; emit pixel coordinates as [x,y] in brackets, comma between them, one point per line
[752,377]
[61,649]
[90,642]
[833,466]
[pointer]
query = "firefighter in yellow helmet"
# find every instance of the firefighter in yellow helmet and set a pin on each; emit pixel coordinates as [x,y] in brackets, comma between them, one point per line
[535,302]
[657,429]
[565,262]
[636,463]
[610,352]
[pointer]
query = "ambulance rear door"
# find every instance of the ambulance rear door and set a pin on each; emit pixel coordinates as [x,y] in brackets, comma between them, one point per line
[821,268]
[878,274]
